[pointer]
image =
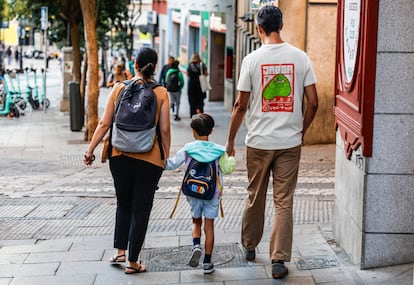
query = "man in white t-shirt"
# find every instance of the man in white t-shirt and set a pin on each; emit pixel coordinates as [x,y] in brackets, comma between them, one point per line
[274,80]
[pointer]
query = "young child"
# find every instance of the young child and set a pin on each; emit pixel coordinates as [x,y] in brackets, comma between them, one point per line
[202,150]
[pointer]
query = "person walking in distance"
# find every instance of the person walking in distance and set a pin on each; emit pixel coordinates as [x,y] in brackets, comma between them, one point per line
[198,156]
[273,81]
[135,174]
[16,55]
[9,55]
[164,71]
[174,83]
[195,95]
[119,74]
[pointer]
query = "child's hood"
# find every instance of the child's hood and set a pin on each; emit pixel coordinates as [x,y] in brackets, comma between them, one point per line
[204,151]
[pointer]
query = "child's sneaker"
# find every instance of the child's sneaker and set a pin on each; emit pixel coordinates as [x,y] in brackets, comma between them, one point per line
[208,268]
[195,256]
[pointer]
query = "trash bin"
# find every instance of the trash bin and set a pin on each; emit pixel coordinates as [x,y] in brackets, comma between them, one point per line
[75,107]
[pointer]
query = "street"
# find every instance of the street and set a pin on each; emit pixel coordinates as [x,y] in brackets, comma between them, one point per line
[57,215]
[36,169]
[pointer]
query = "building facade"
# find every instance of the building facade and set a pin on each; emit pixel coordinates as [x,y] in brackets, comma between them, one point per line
[374,174]
[204,27]
[223,32]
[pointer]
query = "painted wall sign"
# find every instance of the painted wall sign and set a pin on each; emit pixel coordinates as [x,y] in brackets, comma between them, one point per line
[176,16]
[352,16]
[218,22]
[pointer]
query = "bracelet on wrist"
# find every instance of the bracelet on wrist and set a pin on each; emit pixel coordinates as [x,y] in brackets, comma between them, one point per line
[91,158]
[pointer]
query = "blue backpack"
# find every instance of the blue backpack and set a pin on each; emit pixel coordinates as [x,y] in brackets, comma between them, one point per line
[200,180]
[134,126]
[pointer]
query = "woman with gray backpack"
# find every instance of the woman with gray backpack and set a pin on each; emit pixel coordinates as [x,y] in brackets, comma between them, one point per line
[137,114]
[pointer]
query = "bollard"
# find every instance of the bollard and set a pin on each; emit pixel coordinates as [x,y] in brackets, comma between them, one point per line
[75,107]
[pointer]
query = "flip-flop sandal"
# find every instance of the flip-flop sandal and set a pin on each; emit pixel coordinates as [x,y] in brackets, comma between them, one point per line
[133,270]
[117,258]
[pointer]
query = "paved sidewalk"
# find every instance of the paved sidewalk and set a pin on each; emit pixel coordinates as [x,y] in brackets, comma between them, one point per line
[57,216]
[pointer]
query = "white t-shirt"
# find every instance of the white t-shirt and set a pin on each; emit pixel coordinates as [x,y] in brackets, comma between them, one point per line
[275,75]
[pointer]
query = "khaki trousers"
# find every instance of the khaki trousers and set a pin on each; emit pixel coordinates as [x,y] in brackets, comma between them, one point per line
[284,166]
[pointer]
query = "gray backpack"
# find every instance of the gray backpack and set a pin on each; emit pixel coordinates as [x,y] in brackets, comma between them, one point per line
[134,125]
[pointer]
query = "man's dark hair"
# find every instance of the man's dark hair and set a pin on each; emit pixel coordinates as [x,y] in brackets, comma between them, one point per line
[202,124]
[175,64]
[270,18]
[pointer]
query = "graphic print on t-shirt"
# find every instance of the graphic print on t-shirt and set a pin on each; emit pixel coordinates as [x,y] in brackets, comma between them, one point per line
[277,87]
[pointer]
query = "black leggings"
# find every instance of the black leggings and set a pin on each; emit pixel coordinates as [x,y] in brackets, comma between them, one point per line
[135,184]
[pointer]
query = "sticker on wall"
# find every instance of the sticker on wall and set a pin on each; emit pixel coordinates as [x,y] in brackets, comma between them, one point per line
[68,66]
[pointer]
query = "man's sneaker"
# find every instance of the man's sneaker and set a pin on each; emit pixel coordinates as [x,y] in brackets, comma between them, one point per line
[208,268]
[195,256]
[279,270]
[249,254]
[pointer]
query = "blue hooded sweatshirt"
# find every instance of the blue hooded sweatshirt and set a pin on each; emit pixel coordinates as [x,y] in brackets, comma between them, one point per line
[202,151]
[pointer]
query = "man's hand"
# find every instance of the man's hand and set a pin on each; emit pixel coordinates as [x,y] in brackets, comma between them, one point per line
[230,149]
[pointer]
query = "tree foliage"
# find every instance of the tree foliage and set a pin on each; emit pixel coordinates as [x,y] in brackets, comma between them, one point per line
[112,16]
[3,11]
[104,23]
[118,15]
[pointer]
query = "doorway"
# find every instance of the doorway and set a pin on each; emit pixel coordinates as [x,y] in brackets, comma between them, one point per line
[216,68]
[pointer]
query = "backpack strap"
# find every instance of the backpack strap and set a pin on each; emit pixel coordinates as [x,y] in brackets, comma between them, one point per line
[109,154]
[220,186]
[158,130]
[154,85]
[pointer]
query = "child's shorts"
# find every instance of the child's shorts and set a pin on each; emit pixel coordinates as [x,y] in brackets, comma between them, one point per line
[207,208]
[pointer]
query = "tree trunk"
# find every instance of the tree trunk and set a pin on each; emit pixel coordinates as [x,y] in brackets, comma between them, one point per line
[88,11]
[74,34]
[83,84]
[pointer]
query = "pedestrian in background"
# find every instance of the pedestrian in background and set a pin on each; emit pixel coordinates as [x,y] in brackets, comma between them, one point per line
[175,82]
[195,95]
[114,63]
[118,75]
[164,71]
[202,150]
[16,55]
[273,81]
[131,65]
[9,55]
[135,175]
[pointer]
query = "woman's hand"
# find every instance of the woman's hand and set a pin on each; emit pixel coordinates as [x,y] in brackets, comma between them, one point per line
[88,158]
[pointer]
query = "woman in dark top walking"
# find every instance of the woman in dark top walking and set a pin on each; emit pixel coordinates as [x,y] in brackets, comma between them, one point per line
[195,95]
